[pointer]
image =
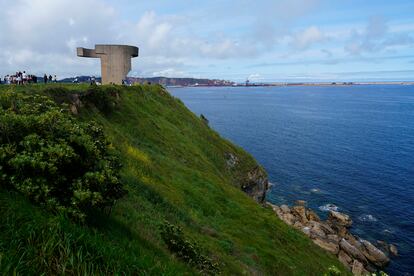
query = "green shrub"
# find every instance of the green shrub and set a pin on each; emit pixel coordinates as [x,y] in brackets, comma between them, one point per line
[54,160]
[333,271]
[186,250]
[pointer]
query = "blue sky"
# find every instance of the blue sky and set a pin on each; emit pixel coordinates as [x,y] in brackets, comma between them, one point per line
[279,40]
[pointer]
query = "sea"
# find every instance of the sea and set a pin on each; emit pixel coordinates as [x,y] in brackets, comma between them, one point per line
[345,148]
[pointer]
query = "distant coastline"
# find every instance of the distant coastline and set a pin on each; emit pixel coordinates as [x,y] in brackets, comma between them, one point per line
[283,84]
[196,82]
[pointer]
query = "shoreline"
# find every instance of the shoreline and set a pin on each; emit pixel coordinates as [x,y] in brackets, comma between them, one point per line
[358,255]
[316,84]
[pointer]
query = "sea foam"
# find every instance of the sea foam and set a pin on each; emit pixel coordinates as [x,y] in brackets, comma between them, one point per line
[328,207]
[367,217]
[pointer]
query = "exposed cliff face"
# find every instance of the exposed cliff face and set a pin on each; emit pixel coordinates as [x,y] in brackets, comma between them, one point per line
[253,181]
[256,184]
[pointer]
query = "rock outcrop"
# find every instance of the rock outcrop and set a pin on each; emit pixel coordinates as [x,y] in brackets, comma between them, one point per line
[256,184]
[358,255]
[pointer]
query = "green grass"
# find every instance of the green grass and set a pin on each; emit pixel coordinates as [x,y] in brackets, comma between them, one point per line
[174,168]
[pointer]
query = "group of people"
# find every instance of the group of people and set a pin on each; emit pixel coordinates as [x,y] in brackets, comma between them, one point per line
[21,78]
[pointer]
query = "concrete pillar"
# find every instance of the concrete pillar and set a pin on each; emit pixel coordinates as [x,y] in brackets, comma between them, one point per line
[115,60]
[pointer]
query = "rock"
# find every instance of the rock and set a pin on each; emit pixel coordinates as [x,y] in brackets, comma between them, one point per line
[300,212]
[312,216]
[298,225]
[275,208]
[339,219]
[285,208]
[352,250]
[231,159]
[393,250]
[354,241]
[73,109]
[358,269]
[288,218]
[306,230]
[316,231]
[323,226]
[256,184]
[328,246]
[333,238]
[374,255]
[383,246]
[345,259]
[300,202]
[204,119]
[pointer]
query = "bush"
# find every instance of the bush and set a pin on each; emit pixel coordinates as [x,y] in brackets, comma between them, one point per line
[54,160]
[186,250]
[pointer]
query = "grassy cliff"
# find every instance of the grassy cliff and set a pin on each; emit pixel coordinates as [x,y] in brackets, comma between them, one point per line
[175,169]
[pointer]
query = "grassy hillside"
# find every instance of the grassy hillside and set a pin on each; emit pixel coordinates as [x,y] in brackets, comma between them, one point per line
[175,170]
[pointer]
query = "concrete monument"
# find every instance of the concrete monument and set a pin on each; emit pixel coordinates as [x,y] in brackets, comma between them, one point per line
[115,60]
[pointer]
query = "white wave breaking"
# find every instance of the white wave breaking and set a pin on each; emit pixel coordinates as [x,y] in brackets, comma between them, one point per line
[328,207]
[367,217]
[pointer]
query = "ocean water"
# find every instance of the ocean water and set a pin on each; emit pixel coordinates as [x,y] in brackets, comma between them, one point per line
[349,148]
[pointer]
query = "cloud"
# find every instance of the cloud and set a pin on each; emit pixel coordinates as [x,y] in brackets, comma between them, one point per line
[306,38]
[188,37]
[376,37]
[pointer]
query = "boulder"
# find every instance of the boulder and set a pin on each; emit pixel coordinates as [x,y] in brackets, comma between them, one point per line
[339,219]
[285,208]
[352,250]
[345,259]
[316,231]
[275,208]
[300,212]
[374,255]
[298,225]
[288,218]
[327,245]
[312,216]
[306,230]
[323,226]
[300,202]
[333,238]
[354,241]
[393,250]
[358,269]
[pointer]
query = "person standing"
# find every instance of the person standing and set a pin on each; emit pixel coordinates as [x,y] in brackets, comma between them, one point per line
[50,78]
[55,79]
[24,77]
[45,78]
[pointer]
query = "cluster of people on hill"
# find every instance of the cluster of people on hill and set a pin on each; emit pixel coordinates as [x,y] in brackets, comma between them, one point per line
[21,78]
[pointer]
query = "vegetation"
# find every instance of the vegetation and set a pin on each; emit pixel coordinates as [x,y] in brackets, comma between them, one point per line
[54,160]
[184,212]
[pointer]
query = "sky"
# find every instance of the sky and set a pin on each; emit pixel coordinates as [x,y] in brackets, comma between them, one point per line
[261,40]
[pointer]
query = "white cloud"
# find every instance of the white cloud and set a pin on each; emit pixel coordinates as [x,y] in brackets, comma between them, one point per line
[308,37]
[376,37]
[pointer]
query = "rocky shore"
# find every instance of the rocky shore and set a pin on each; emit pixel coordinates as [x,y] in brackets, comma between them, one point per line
[360,256]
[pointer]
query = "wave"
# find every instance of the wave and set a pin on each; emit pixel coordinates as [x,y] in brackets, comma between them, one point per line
[367,217]
[328,207]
